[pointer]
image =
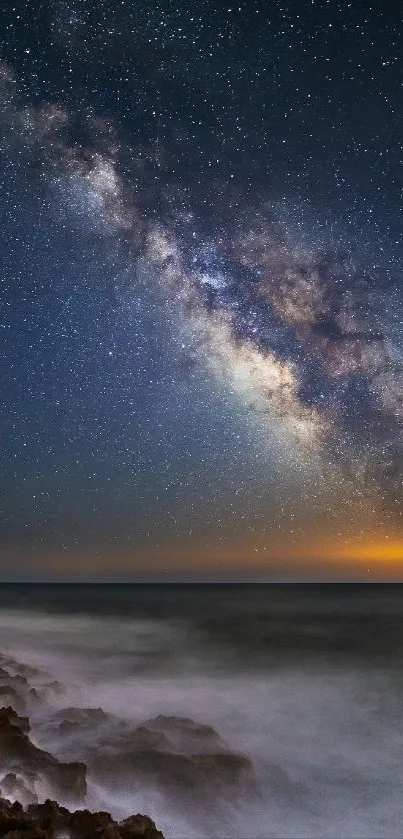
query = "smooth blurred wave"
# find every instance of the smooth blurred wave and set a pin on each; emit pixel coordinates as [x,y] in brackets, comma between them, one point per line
[305,681]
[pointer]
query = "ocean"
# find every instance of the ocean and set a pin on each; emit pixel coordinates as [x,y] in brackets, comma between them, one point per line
[262,710]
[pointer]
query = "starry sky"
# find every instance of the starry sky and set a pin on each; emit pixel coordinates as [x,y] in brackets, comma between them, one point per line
[201,309]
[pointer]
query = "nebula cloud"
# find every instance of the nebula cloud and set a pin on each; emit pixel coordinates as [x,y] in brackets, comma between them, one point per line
[308,338]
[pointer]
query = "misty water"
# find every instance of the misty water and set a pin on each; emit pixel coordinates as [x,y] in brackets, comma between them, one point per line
[304,682]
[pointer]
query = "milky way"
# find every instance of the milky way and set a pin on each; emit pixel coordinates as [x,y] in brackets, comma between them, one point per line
[290,312]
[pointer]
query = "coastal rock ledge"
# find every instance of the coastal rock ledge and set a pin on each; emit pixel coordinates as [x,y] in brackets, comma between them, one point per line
[51,821]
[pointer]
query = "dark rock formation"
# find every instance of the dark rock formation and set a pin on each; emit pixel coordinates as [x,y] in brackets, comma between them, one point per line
[71,720]
[9,717]
[186,735]
[19,755]
[46,821]
[15,689]
[16,681]
[147,738]
[204,774]
[179,754]
[18,666]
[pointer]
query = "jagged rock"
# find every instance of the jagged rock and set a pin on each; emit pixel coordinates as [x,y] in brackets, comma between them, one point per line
[19,755]
[138,826]
[50,816]
[9,717]
[13,817]
[44,821]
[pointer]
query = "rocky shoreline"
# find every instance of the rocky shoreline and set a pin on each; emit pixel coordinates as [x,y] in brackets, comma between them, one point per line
[51,821]
[40,789]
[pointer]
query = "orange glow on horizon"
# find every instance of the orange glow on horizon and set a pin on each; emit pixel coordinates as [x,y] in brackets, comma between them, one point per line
[319,555]
[389,551]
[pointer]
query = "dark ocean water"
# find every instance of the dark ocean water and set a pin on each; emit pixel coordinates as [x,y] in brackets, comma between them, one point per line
[306,681]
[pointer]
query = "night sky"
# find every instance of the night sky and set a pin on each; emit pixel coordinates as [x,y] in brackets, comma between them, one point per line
[201,310]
